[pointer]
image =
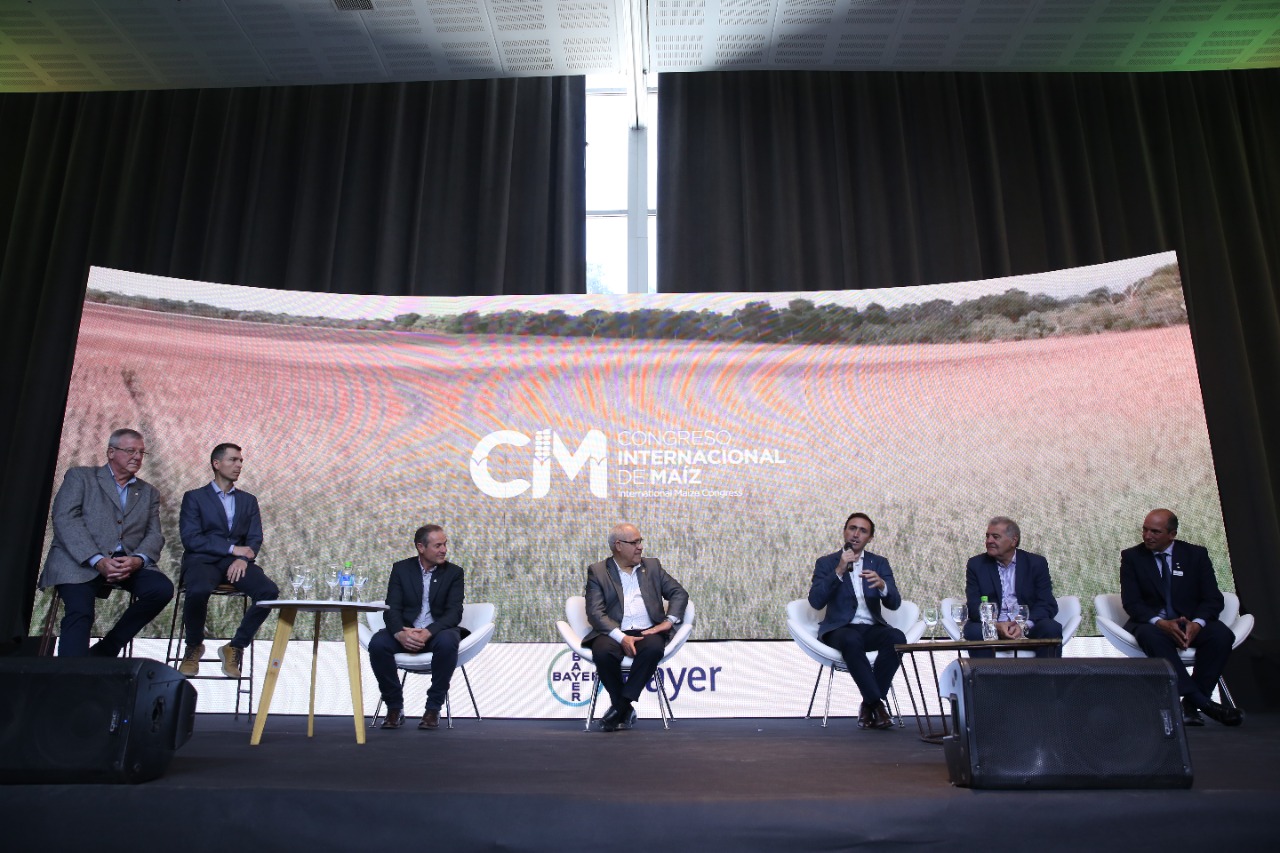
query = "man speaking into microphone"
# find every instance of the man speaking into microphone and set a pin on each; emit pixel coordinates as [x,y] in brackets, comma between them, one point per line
[854,585]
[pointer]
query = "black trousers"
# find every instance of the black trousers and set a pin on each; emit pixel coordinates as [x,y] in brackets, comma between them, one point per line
[443,646]
[854,642]
[152,589]
[1212,645]
[200,579]
[607,654]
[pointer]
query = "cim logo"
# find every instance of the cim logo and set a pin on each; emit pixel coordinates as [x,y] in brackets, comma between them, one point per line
[571,681]
[592,453]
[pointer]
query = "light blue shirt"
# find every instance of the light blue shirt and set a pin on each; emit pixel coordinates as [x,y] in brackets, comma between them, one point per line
[228,499]
[424,618]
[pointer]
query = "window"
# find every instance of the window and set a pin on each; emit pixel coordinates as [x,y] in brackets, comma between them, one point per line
[621,253]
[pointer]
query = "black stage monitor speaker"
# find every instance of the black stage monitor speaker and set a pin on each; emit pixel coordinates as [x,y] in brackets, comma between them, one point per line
[91,720]
[1065,723]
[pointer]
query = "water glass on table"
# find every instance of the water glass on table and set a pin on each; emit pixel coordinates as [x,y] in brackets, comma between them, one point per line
[931,620]
[1020,615]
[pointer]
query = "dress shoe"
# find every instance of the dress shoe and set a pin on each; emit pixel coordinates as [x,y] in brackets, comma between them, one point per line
[191,660]
[881,718]
[609,722]
[231,658]
[1191,714]
[395,718]
[866,716]
[1223,714]
[431,719]
[630,721]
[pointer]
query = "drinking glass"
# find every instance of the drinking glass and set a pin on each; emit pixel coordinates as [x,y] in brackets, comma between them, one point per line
[960,615]
[931,619]
[332,580]
[307,582]
[295,581]
[1020,615]
[361,580]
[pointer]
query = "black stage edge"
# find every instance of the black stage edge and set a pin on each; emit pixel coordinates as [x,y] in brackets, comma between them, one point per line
[768,784]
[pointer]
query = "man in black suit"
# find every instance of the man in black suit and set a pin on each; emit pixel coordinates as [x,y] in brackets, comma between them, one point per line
[854,585]
[1009,577]
[221,532]
[1171,594]
[624,606]
[424,600]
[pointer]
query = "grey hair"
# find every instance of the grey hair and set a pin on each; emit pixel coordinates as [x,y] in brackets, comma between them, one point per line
[123,432]
[1010,526]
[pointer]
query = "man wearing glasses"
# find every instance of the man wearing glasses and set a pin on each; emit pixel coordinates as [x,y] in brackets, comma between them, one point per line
[625,595]
[106,534]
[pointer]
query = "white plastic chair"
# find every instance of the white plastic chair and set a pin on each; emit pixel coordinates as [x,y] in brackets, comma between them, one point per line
[803,621]
[1069,616]
[476,617]
[1112,618]
[575,626]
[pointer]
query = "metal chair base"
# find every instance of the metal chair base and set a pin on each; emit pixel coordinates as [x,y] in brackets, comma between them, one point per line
[448,705]
[895,711]
[664,701]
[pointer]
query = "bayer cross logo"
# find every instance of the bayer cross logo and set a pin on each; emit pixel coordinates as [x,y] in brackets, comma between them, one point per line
[592,454]
[571,678]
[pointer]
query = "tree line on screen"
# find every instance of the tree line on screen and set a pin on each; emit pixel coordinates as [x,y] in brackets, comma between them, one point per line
[1152,302]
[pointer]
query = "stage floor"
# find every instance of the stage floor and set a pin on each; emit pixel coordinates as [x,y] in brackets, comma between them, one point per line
[739,784]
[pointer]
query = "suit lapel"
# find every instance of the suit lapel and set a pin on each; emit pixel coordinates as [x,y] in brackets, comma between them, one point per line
[611,567]
[108,486]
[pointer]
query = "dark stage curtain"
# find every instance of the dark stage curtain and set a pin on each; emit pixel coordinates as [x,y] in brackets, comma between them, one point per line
[802,181]
[446,188]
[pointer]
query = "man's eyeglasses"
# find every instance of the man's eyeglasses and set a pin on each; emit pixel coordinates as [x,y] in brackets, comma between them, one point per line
[130,452]
[632,542]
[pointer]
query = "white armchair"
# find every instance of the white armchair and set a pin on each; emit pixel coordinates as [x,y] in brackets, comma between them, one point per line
[802,623]
[1069,615]
[476,617]
[575,626]
[1112,619]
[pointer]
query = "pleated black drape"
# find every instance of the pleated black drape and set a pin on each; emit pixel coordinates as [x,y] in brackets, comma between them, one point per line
[803,181]
[445,188]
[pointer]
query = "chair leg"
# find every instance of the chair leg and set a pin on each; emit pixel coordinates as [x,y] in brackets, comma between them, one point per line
[1226,694]
[467,681]
[49,638]
[448,711]
[814,695]
[591,709]
[895,710]
[831,677]
[174,646]
[664,712]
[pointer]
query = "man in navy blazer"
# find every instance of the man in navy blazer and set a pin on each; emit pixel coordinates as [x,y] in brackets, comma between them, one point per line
[1008,577]
[221,531]
[106,534]
[624,601]
[1171,594]
[424,601]
[855,586]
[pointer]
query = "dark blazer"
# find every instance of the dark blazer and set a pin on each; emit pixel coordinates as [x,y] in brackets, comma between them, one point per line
[202,523]
[1195,587]
[604,596]
[832,592]
[1031,583]
[88,520]
[404,596]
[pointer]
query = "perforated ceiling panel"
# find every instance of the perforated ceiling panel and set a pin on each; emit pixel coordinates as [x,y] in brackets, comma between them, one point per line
[48,45]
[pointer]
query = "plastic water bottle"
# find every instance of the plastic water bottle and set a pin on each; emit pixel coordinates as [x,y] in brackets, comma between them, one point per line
[987,611]
[346,581]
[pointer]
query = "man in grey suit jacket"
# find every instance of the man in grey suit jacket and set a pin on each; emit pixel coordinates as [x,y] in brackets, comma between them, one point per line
[221,531]
[106,532]
[855,586]
[624,606]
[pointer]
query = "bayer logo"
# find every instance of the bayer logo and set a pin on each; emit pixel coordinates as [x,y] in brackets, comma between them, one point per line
[571,678]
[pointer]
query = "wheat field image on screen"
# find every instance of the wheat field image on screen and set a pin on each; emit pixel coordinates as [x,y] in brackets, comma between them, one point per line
[354,438]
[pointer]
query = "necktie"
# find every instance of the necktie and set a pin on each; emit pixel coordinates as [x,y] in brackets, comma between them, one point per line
[1169,612]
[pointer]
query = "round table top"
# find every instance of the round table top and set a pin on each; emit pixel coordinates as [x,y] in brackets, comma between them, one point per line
[316,605]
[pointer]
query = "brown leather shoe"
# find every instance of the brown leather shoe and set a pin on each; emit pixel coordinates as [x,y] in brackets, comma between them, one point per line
[866,717]
[430,720]
[881,720]
[394,720]
[231,658]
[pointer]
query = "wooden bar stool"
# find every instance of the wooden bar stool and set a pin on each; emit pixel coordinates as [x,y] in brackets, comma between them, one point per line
[178,630]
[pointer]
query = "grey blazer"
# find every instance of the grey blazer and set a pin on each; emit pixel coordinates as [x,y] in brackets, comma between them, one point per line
[604,595]
[88,520]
